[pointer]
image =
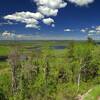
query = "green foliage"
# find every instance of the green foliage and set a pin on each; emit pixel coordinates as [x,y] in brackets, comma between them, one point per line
[50,74]
[2,95]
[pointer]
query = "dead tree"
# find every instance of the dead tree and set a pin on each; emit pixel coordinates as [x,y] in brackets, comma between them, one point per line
[15,66]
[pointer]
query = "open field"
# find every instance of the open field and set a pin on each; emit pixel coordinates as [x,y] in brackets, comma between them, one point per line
[49,70]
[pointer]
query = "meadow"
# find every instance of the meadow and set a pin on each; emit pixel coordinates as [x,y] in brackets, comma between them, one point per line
[49,70]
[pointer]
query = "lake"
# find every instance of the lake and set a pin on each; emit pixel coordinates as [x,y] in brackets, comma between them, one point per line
[58,47]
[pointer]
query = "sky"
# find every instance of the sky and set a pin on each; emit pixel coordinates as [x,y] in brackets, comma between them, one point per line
[49,19]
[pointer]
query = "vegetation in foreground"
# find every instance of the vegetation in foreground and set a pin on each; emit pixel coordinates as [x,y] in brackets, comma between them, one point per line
[50,74]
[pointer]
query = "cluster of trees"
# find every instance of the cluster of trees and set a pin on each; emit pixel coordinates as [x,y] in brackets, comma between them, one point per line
[45,77]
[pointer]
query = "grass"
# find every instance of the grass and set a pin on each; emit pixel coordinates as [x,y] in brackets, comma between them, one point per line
[3,65]
[94,94]
[4,50]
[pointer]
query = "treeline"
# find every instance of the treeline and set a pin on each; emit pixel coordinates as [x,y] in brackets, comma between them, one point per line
[43,76]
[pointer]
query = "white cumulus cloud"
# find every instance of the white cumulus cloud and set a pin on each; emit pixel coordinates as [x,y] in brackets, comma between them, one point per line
[6,33]
[29,18]
[98,28]
[54,4]
[83,30]
[48,11]
[81,2]
[92,31]
[45,8]
[48,21]
[67,30]
[50,7]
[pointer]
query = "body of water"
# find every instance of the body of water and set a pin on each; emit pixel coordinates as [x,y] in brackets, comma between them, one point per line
[58,47]
[3,58]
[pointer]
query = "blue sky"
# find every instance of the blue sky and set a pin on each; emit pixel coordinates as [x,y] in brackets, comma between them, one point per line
[49,19]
